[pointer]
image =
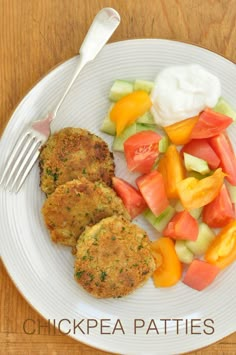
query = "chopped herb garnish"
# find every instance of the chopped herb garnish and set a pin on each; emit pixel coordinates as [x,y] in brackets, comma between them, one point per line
[91,277]
[113,237]
[79,274]
[54,175]
[103,275]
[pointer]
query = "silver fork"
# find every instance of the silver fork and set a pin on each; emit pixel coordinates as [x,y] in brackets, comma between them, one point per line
[27,148]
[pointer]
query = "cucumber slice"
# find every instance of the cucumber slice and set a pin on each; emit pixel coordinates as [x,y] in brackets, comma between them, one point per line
[144,85]
[118,143]
[161,221]
[204,239]
[108,126]
[147,118]
[145,127]
[150,217]
[193,163]
[163,144]
[224,107]
[232,191]
[119,89]
[197,175]
[195,213]
[184,254]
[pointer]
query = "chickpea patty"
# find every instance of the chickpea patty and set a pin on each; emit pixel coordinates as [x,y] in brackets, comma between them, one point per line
[76,204]
[113,258]
[73,153]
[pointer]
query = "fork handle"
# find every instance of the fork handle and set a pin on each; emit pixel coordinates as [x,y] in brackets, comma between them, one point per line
[101,29]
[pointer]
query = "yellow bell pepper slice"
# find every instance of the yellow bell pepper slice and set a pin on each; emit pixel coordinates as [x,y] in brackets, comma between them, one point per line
[168,267]
[179,133]
[222,251]
[129,108]
[194,193]
[172,169]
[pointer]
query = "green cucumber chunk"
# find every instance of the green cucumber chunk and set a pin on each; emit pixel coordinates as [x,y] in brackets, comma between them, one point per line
[196,175]
[144,85]
[204,239]
[184,254]
[224,107]
[232,191]
[193,163]
[195,212]
[161,221]
[145,127]
[164,144]
[118,143]
[119,89]
[146,118]
[108,126]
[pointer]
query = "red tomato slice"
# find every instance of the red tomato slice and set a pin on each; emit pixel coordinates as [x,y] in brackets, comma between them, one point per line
[153,191]
[141,151]
[210,124]
[201,148]
[131,197]
[219,212]
[182,226]
[200,274]
[223,148]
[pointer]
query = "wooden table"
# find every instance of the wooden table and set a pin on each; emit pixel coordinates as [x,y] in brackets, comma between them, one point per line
[36,35]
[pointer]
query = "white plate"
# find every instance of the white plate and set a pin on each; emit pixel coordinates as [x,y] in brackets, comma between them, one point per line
[43,271]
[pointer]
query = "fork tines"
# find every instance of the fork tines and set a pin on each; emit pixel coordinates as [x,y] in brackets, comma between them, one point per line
[20,161]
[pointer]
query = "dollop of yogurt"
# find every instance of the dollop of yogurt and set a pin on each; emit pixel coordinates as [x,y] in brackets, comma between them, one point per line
[183,91]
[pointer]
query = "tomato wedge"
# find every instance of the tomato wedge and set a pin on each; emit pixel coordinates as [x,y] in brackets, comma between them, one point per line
[182,227]
[222,251]
[131,197]
[179,133]
[169,268]
[172,169]
[129,108]
[201,148]
[220,211]
[141,151]
[223,148]
[194,193]
[210,124]
[153,191]
[200,274]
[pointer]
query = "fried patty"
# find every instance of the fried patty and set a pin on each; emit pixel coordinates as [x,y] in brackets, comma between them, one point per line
[113,258]
[76,204]
[72,153]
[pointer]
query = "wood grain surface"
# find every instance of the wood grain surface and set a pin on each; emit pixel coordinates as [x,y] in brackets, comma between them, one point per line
[36,35]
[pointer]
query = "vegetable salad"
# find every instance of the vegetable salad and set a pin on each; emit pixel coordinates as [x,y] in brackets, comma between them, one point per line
[186,186]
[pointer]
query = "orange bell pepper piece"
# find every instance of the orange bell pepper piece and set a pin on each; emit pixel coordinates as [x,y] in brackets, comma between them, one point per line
[180,132]
[169,268]
[194,193]
[222,251]
[172,169]
[129,108]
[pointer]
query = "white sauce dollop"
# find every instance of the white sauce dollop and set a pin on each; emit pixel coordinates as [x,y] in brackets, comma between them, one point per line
[182,92]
